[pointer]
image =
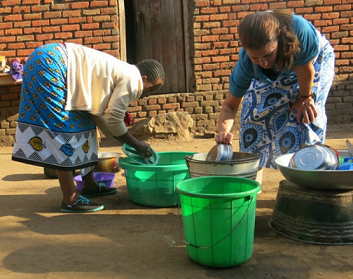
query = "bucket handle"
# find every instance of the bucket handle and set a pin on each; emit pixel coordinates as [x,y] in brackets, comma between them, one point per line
[223,238]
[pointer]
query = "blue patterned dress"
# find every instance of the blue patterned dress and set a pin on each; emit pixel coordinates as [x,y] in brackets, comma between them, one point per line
[269,127]
[47,135]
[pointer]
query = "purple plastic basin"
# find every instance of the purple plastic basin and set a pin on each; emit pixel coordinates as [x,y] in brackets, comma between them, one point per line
[104,178]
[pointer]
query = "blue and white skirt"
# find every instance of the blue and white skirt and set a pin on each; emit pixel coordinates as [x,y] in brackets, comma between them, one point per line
[46,134]
[268,126]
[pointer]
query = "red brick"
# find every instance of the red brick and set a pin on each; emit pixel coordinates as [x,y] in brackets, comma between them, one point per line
[323,9]
[347,54]
[13,17]
[152,101]
[91,12]
[83,34]
[32,30]
[90,26]
[231,23]
[341,48]
[13,32]
[6,3]
[63,35]
[174,106]
[25,38]
[108,11]
[100,18]
[330,29]
[203,3]
[346,7]
[331,2]
[102,46]
[77,20]
[75,13]
[40,23]
[61,7]
[347,40]
[6,10]
[102,32]
[341,62]
[43,37]
[110,38]
[16,45]
[209,10]
[162,100]
[305,10]
[152,107]
[40,8]
[218,17]
[202,18]
[58,21]
[80,5]
[223,9]
[51,29]
[347,27]
[52,15]
[340,21]
[6,25]
[30,2]
[33,44]
[330,15]
[70,27]
[226,37]
[258,7]
[318,23]
[295,4]
[212,38]
[98,3]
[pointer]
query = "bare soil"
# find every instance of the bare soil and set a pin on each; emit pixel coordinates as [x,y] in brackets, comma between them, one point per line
[127,240]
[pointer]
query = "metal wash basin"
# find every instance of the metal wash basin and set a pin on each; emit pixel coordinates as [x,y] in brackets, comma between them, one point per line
[316,179]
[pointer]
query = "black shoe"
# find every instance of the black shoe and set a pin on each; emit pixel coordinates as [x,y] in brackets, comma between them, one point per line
[82,205]
[100,191]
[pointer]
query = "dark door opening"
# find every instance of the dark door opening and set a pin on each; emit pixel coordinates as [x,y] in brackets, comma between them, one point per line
[155,30]
[130,33]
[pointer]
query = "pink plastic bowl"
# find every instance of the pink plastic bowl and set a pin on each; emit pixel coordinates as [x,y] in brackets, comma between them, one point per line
[104,178]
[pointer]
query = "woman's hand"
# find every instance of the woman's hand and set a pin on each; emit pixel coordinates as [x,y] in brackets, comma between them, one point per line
[144,149]
[223,138]
[226,119]
[306,111]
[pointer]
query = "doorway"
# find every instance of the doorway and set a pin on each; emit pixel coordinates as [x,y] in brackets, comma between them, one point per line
[155,29]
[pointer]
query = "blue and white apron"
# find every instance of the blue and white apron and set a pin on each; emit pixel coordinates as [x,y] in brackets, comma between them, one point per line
[269,127]
[47,135]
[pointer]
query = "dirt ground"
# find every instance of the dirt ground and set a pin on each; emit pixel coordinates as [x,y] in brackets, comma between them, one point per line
[130,241]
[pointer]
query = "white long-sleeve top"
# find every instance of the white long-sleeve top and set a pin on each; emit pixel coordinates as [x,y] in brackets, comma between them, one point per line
[102,85]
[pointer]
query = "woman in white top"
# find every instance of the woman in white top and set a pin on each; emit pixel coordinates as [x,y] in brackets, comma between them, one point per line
[67,91]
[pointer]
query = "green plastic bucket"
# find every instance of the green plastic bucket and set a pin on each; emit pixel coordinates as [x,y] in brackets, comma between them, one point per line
[154,185]
[219,218]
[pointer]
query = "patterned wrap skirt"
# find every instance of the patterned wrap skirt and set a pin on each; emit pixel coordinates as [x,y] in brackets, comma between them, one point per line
[46,134]
[269,127]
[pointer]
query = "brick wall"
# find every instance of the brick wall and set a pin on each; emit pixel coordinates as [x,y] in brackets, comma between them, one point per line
[27,24]
[9,101]
[216,45]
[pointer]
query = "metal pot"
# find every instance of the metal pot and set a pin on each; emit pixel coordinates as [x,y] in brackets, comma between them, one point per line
[315,157]
[220,152]
[108,162]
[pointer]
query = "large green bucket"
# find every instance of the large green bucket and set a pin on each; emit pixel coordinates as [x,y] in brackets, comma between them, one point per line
[154,186]
[219,218]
